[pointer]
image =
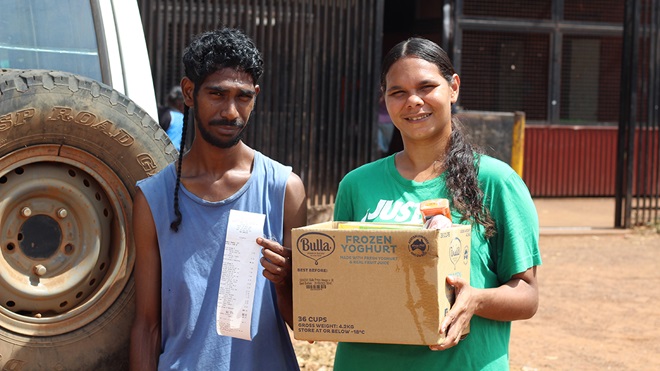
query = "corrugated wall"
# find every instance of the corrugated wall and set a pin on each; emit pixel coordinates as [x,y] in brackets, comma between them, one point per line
[580,161]
[570,161]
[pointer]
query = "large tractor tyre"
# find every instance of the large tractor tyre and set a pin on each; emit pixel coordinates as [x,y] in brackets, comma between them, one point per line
[71,151]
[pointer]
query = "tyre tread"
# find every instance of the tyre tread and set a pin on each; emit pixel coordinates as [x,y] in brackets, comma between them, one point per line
[22,80]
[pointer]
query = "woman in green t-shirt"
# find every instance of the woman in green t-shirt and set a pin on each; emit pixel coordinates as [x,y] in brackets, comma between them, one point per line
[420,85]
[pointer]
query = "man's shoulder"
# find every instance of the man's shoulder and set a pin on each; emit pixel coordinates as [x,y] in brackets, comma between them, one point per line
[270,163]
[162,176]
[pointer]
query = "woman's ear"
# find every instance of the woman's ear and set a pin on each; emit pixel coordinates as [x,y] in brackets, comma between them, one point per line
[454,85]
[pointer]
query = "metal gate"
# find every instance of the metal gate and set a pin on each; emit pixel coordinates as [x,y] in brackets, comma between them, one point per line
[638,153]
[317,110]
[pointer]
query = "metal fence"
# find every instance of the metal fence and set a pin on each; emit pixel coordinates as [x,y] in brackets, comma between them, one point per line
[317,110]
[638,153]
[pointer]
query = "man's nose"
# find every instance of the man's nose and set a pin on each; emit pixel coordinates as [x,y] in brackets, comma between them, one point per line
[230,111]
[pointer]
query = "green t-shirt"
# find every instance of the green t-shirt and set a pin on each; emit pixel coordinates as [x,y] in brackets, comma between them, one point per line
[376,192]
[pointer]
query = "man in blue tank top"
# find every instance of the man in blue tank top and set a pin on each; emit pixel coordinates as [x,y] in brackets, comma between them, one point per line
[180,220]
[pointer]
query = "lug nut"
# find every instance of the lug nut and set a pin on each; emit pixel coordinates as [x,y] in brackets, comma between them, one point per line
[39,270]
[62,213]
[26,212]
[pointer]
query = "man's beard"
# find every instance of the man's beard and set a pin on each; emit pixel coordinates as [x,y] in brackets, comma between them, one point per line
[217,142]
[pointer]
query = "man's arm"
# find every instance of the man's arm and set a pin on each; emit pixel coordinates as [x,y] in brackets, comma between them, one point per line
[277,259]
[145,333]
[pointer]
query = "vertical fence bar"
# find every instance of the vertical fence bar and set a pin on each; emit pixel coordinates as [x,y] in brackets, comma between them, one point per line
[650,112]
[313,119]
[655,87]
[334,90]
[652,117]
[320,190]
[639,181]
[297,78]
[376,52]
[627,117]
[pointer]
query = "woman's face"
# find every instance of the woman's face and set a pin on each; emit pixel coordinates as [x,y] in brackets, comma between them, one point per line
[419,99]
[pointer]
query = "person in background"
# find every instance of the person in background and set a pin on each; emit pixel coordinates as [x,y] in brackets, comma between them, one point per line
[170,117]
[420,87]
[180,220]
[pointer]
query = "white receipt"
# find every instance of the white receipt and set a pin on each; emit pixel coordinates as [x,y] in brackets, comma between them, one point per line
[239,274]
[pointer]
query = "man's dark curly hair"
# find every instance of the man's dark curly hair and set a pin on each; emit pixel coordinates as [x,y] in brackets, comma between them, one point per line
[461,160]
[207,53]
[218,49]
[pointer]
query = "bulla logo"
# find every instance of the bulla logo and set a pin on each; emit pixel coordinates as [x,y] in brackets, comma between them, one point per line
[455,251]
[315,245]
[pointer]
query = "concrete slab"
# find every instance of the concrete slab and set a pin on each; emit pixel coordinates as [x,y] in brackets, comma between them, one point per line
[579,215]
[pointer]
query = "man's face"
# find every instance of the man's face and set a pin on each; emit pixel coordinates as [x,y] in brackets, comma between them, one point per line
[223,105]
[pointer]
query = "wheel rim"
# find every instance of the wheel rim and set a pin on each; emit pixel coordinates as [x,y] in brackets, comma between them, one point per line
[64,253]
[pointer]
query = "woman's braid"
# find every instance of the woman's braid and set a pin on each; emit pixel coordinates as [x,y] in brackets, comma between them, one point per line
[462,164]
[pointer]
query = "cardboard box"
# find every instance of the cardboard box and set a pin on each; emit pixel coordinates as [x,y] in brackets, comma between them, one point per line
[384,285]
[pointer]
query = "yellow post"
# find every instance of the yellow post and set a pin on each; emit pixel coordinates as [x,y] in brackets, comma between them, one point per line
[518,146]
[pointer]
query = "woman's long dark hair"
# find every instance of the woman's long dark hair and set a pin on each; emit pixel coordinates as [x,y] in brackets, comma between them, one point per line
[461,161]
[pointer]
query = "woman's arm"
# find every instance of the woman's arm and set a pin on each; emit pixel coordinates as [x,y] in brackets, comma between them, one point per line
[515,300]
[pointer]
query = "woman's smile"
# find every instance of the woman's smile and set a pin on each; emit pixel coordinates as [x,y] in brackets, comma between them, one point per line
[418,117]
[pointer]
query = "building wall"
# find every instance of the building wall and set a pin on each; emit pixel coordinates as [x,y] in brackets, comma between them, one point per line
[559,61]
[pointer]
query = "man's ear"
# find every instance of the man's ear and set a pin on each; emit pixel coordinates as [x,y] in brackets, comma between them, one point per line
[188,89]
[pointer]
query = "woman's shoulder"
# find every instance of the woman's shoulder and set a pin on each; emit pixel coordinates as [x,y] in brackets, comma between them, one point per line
[490,167]
[369,170]
[497,177]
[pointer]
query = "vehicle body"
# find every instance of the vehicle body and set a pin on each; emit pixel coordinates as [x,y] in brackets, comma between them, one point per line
[99,39]
[76,134]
